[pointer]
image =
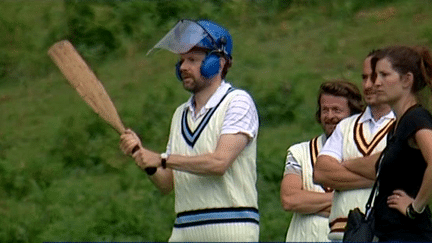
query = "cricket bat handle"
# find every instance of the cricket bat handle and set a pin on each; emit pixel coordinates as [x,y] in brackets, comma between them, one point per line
[148,170]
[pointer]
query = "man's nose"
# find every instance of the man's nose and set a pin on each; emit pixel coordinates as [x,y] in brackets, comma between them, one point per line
[377,81]
[182,66]
[330,114]
[369,83]
[185,64]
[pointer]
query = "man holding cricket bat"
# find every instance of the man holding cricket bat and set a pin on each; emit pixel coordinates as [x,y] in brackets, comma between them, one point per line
[210,160]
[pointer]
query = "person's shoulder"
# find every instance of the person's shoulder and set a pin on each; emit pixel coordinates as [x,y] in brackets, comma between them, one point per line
[241,96]
[240,93]
[299,148]
[233,90]
[181,107]
[417,117]
[302,145]
[418,111]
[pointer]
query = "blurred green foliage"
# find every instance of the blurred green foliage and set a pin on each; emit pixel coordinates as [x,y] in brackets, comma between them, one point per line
[62,176]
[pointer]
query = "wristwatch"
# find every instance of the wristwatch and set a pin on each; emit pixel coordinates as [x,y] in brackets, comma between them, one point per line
[164,157]
[411,212]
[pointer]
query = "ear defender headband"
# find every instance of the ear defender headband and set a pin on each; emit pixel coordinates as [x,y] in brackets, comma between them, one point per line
[210,65]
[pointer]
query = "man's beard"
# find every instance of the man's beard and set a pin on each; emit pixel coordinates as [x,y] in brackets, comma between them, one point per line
[193,85]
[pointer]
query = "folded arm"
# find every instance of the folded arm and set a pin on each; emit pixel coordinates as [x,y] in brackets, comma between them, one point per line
[295,198]
[363,166]
[330,173]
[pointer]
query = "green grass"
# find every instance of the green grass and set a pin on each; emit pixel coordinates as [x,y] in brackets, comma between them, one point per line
[62,175]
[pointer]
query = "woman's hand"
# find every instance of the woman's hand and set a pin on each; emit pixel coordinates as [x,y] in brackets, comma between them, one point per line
[399,200]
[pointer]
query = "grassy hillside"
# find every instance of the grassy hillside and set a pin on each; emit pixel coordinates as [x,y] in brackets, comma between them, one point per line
[62,175]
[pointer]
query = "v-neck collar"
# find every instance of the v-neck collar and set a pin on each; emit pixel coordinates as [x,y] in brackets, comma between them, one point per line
[192,136]
[361,141]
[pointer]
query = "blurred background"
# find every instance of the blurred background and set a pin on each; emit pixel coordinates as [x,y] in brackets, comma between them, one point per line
[62,175]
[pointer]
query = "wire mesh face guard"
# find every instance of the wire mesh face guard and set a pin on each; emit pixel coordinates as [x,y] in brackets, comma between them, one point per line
[183,37]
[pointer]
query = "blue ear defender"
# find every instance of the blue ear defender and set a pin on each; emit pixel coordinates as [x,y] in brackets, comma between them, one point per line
[209,67]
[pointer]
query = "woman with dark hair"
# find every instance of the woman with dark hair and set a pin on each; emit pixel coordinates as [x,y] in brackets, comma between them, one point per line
[404,174]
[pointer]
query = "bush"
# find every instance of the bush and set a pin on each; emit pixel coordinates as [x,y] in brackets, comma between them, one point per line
[81,144]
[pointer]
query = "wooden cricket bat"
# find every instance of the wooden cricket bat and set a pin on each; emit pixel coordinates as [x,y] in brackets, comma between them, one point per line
[88,86]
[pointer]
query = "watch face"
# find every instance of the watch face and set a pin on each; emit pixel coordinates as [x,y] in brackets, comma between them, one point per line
[164,157]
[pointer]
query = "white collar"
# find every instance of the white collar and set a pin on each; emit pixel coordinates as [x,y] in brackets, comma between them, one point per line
[367,116]
[214,99]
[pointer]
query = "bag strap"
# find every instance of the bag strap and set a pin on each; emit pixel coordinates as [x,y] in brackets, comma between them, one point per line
[371,199]
[374,191]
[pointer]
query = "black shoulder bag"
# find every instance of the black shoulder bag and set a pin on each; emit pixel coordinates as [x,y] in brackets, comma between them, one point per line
[360,226]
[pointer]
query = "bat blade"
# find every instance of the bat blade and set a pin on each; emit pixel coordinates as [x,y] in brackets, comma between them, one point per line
[88,86]
[85,82]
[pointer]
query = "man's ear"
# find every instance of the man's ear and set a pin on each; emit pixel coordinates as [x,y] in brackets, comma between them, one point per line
[222,63]
[408,80]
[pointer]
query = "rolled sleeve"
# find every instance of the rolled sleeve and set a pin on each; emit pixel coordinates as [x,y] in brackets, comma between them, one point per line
[292,166]
[241,116]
